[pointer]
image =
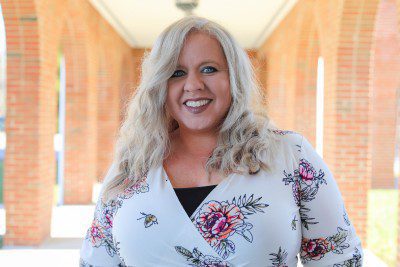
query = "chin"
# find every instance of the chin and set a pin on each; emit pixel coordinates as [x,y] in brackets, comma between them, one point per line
[200,128]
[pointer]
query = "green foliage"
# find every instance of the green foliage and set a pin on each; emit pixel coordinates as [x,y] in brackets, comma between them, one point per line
[382,224]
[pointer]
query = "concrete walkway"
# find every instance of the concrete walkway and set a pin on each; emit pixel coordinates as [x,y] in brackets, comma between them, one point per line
[69,225]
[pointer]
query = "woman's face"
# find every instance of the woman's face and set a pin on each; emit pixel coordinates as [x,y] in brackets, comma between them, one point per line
[199,96]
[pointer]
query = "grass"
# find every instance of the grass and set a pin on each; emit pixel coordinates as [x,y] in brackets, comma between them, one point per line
[382,224]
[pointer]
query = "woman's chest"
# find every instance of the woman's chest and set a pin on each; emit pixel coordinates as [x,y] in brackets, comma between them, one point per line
[241,222]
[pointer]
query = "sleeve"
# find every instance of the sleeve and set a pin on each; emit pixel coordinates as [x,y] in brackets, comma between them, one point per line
[98,248]
[328,236]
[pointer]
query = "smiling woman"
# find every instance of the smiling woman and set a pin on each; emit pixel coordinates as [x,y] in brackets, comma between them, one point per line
[201,178]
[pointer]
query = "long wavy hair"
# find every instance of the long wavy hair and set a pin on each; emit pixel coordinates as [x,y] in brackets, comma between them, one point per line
[245,143]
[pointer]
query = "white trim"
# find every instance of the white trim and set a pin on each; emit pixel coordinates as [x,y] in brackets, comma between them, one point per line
[111,18]
[285,8]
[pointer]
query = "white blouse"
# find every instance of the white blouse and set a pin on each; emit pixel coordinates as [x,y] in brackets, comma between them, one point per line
[265,219]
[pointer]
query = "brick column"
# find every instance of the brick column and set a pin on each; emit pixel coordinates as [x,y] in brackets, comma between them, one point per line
[29,161]
[386,81]
[352,132]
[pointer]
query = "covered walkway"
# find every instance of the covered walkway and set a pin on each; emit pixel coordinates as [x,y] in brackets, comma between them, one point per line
[329,70]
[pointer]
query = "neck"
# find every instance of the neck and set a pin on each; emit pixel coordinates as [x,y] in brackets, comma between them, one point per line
[197,144]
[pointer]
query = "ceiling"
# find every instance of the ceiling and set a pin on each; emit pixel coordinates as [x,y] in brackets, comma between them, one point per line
[140,21]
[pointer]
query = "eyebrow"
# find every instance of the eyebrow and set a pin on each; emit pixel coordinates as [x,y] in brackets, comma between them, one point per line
[203,63]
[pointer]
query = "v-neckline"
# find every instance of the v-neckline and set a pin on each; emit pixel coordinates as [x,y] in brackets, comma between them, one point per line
[212,192]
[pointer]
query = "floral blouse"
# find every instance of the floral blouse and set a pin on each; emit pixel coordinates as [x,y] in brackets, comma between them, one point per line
[266,219]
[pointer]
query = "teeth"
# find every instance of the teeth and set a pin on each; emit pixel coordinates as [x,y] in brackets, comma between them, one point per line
[196,104]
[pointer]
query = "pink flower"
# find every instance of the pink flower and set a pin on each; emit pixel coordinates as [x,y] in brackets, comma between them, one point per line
[217,221]
[96,233]
[307,172]
[315,249]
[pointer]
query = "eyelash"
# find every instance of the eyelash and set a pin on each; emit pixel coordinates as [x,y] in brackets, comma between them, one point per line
[180,71]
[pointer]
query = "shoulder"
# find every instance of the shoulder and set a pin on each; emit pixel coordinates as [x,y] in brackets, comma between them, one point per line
[287,152]
[287,137]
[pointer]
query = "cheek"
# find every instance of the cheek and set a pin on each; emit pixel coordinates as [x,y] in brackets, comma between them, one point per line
[172,101]
[225,95]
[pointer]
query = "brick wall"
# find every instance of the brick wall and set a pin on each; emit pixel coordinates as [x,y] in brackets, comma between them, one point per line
[342,33]
[95,56]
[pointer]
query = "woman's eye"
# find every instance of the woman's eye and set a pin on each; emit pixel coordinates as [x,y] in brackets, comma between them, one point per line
[209,69]
[178,73]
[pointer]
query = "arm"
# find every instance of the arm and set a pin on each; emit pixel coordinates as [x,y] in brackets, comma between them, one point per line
[98,248]
[328,237]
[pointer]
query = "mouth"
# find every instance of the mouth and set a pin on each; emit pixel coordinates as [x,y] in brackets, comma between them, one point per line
[197,106]
[197,103]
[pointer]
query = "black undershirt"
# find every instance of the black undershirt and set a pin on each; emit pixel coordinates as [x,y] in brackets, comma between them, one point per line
[191,197]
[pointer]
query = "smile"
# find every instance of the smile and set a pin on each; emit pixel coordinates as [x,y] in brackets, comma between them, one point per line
[196,107]
[199,103]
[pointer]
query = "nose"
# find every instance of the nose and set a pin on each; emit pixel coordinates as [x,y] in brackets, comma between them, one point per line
[193,82]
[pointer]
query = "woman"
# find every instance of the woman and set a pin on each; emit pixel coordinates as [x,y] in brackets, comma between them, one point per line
[201,178]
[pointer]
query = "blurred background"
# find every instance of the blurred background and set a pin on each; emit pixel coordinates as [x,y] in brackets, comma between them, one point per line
[330,70]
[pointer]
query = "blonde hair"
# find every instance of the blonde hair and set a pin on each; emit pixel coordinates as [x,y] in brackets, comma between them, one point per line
[245,143]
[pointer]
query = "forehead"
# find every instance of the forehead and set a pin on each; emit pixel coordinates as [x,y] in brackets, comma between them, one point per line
[200,46]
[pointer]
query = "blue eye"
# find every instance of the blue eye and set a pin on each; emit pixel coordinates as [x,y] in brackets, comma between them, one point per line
[178,73]
[209,69]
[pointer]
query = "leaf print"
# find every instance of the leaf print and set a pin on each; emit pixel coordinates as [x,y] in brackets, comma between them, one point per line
[198,259]
[217,221]
[315,249]
[225,247]
[117,249]
[184,252]
[249,206]
[339,240]
[355,261]
[346,217]
[244,230]
[305,220]
[294,223]
[149,219]
[279,259]
[83,263]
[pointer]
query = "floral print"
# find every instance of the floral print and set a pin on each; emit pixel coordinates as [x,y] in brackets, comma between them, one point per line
[198,259]
[281,132]
[217,221]
[315,249]
[305,184]
[305,181]
[99,234]
[279,259]
[139,187]
[230,225]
